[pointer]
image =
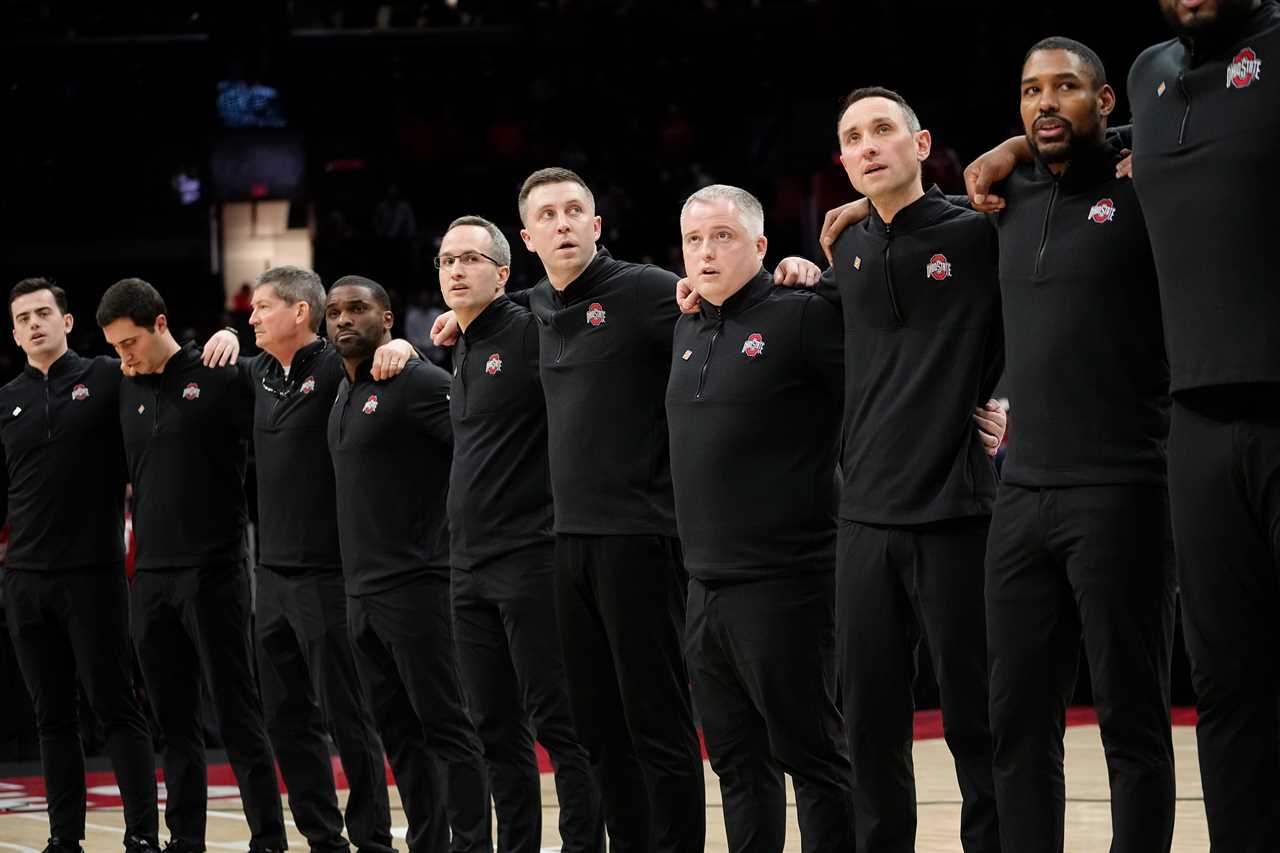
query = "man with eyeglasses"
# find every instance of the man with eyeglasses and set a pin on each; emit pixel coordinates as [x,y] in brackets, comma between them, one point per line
[500,520]
[305,663]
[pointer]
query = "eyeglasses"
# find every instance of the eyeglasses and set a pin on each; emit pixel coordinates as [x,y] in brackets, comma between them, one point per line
[469,259]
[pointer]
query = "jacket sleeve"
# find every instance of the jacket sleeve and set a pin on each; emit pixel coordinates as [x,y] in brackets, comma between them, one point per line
[822,343]
[828,289]
[520,297]
[656,300]
[241,395]
[993,357]
[428,401]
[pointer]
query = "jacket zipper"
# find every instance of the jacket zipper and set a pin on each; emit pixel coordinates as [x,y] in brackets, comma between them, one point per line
[888,273]
[48,421]
[155,409]
[462,381]
[1186,113]
[1044,231]
[702,375]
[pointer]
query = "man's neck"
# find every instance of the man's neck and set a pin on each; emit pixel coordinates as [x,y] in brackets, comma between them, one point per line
[467,315]
[562,280]
[890,203]
[285,352]
[45,361]
[171,348]
[730,294]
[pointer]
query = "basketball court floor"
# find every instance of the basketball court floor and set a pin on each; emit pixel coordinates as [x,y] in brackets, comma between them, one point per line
[24,825]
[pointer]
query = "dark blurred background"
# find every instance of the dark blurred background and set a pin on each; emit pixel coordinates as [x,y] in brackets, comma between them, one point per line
[192,143]
[160,138]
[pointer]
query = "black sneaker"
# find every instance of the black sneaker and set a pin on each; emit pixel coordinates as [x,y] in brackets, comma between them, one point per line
[59,846]
[176,845]
[138,844]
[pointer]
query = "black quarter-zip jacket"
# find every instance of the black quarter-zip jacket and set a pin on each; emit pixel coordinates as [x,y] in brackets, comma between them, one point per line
[1087,376]
[391,446]
[923,346]
[499,486]
[63,466]
[297,508]
[186,436]
[1206,132]
[604,361]
[754,402]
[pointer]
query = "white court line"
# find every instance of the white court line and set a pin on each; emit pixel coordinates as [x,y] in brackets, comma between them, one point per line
[17,847]
[221,845]
[240,817]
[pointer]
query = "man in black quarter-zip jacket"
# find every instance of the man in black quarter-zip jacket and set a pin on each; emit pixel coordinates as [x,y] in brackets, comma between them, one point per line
[305,663]
[390,441]
[65,594]
[604,349]
[186,430]
[1078,543]
[1204,143]
[500,520]
[923,348]
[753,403]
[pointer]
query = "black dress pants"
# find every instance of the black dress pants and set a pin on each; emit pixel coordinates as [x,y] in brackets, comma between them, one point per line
[189,624]
[1224,493]
[504,619]
[893,585]
[74,625]
[621,608]
[1062,564]
[310,689]
[403,642]
[763,663]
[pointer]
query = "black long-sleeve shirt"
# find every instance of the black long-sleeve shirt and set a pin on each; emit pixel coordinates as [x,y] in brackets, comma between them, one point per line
[754,402]
[923,348]
[186,436]
[604,361]
[297,507]
[499,486]
[1206,132]
[391,446]
[1087,376]
[63,466]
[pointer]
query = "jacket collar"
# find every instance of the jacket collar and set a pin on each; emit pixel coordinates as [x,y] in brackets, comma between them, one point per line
[1089,167]
[756,289]
[914,216]
[1220,42]
[494,317]
[63,364]
[586,281]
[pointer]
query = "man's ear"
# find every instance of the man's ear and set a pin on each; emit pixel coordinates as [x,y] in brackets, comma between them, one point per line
[924,144]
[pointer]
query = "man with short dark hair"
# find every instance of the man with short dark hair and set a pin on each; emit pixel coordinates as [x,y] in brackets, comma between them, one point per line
[186,430]
[500,519]
[65,594]
[917,281]
[1204,139]
[390,442]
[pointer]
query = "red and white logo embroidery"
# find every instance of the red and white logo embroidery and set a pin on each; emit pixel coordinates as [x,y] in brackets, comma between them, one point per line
[938,268]
[79,392]
[753,345]
[191,392]
[1244,69]
[370,405]
[595,314]
[308,385]
[1104,210]
[494,364]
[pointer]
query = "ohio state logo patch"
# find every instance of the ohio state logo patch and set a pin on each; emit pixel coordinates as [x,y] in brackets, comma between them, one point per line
[494,364]
[79,393]
[308,385]
[1103,210]
[753,346]
[1244,69]
[370,405]
[938,268]
[595,314]
[191,392]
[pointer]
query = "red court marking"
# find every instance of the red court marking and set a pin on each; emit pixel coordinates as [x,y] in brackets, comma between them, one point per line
[26,793]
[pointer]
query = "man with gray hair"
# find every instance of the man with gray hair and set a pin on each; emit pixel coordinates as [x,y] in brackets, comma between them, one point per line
[305,663]
[502,549]
[753,404]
